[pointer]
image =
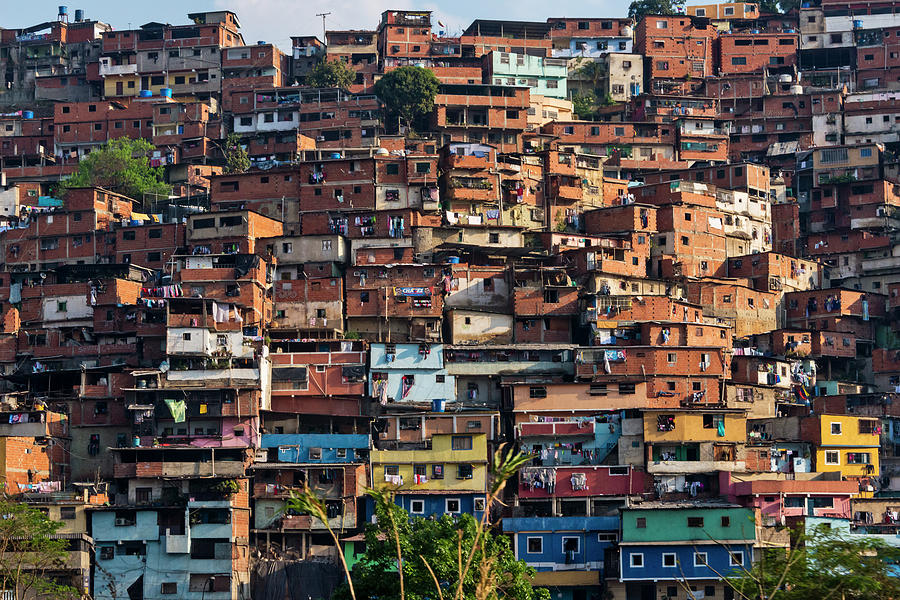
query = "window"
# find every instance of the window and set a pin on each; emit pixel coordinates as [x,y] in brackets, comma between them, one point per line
[61,306]
[738,60]
[154,234]
[835,429]
[392,169]
[437,471]
[571,544]
[461,442]
[700,559]
[640,523]
[451,505]
[695,522]
[417,507]
[858,458]
[464,471]
[535,545]
[713,421]
[636,560]
[736,559]
[832,457]
[67,513]
[423,167]
[668,559]
[537,391]
[391,469]
[168,587]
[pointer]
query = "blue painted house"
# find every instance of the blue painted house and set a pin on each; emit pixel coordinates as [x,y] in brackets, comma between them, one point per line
[409,373]
[663,544]
[568,553]
[334,465]
[156,553]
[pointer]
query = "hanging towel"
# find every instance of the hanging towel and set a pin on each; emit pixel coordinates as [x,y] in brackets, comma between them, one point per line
[177,408]
[721,428]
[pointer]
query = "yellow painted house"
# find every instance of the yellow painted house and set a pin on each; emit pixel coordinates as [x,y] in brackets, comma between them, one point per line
[454,463]
[674,426]
[844,443]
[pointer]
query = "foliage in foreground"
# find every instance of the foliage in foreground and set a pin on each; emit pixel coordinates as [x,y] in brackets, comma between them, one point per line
[822,564]
[438,559]
[28,553]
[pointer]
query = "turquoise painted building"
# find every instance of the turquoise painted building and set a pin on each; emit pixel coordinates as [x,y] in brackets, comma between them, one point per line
[155,553]
[545,76]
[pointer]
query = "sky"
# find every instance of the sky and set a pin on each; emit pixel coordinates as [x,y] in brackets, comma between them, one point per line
[275,21]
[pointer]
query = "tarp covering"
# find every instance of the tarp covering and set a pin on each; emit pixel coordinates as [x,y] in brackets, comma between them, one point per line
[295,579]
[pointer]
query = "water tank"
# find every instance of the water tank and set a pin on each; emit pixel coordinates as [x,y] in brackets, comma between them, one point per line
[438,405]
[79,15]
[145,94]
[453,260]
[260,42]
[857,24]
[63,11]
[335,155]
[382,152]
[166,92]
[785,78]
[796,89]
[627,31]
[27,114]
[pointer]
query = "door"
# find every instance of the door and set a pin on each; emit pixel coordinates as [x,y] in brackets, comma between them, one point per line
[120,88]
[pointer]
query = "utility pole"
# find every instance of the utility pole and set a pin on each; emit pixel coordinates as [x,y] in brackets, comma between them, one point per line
[323,15]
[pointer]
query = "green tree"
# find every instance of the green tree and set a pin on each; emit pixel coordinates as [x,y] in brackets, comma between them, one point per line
[593,72]
[331,74]
[236,158]
[639,8]
[822,564]
[446,559]
[584,105]
[778,6]
[29,553]
[121,165]
[431,553]
[408,92]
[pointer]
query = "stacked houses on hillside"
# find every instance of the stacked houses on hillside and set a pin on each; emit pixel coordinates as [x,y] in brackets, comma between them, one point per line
[659,257]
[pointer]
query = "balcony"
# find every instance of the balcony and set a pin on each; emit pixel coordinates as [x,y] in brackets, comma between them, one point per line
[297,522]
[24,429]
[178,469]
[574,428]
[178,544]
[108,70]
[475,190]
[207,321]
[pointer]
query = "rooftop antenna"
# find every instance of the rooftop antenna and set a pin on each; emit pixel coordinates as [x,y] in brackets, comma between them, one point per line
[323,15]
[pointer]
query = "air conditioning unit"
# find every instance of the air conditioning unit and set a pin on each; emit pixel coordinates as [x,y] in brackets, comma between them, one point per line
[120,522]
[357,273]
[320,138]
